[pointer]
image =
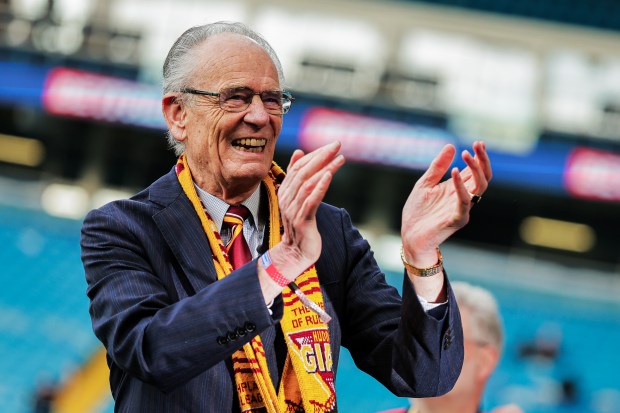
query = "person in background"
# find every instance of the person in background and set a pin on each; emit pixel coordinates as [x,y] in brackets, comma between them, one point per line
[228,285]
[44,395]
[484,339]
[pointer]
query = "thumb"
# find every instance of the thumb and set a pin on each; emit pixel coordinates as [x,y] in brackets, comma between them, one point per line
[438,167]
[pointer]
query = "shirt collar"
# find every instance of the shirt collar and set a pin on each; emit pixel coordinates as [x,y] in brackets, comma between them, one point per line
[216,208]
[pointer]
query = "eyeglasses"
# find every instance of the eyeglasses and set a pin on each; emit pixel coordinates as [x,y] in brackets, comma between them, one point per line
[238,99]
[479,343]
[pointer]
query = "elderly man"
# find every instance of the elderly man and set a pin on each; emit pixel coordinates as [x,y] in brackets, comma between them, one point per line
[229,286]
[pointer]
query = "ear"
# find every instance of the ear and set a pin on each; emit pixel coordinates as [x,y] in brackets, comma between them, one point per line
[175,114]
[489,358]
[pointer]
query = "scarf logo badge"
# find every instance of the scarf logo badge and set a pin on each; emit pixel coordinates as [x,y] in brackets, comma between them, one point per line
[315,352]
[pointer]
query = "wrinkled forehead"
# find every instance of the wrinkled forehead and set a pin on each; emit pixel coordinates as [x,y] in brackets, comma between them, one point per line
[229,55]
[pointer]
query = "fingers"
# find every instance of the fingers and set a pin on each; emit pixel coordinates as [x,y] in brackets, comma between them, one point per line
[483,158]
[298,218]
[304,199]
[478,168]
[461,191]
[438,167]
[315,197]
[307,181]
[297,155]
[315,160]
[436,209]
[302,168]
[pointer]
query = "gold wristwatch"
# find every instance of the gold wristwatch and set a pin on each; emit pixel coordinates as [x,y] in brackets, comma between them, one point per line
[423,272]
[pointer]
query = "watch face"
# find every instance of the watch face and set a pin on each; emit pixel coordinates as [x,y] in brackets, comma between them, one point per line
[423,272]
[427,272]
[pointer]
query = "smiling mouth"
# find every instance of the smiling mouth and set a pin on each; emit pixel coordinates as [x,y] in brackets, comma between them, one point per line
[250,144]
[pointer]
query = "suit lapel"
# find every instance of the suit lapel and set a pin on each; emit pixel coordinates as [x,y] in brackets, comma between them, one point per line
[182,230]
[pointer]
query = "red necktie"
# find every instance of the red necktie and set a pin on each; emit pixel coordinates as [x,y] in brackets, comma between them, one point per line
[237,248]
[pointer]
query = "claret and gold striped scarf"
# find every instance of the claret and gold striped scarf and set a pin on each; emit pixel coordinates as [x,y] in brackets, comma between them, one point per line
[307,383]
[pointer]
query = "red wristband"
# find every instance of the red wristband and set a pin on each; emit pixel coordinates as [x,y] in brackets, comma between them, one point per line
[273,272]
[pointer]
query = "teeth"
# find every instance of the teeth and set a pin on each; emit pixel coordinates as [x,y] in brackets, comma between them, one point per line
[254,150]
[250,144]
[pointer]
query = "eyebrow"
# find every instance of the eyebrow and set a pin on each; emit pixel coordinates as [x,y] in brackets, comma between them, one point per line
[252,89]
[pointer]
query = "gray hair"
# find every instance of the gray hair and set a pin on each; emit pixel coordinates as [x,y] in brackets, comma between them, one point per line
[179,64]
[486,321]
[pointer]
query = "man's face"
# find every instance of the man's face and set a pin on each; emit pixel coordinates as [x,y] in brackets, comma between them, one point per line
[471,380]
[479,359]
[470,361]
[229,153]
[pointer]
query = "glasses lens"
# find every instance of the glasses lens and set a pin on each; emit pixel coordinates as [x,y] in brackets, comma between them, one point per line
[286,105]
[287,101]
[272,100]
[236,99]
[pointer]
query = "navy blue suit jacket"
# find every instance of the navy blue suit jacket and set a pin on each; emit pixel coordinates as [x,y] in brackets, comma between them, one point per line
[156,306]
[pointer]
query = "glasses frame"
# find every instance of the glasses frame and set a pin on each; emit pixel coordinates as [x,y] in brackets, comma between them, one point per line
[287,98]
[478,342]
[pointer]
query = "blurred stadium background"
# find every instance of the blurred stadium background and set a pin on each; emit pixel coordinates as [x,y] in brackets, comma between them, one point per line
[539,81]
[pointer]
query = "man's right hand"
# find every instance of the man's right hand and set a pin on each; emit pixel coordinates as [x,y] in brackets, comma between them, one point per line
[302,191]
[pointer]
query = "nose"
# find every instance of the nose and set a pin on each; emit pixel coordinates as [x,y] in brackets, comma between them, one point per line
[256,113]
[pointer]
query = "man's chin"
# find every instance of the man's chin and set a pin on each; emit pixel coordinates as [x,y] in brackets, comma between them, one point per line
[251,171]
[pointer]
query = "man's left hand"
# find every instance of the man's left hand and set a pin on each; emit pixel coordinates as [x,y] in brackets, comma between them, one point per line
[436,209]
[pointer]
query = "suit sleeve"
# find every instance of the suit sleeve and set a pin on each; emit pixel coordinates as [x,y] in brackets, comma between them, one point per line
[411,352]
[148,332]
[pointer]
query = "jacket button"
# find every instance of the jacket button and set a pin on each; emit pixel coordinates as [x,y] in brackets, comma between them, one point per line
[250,327]
[241,331]
[232,336]
[222,340]
[446,342]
